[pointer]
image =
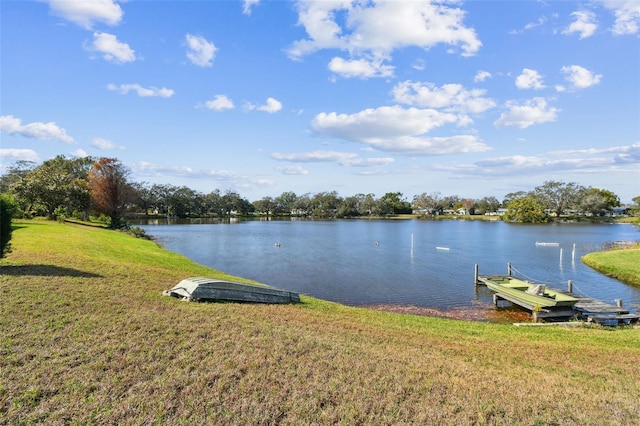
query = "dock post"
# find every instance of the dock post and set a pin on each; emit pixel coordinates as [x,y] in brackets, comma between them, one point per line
[570,286]
[475,275]
[619,303]
[495,300]
[509,268]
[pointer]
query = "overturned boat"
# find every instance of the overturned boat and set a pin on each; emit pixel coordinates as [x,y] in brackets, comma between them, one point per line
[211,289]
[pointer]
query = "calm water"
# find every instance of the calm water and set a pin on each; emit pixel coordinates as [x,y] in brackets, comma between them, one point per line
[358,262]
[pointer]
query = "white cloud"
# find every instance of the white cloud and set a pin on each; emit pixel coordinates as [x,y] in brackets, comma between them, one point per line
[272,106]
[387,122]
[627,14]
[396,129]
[580,77]
[531,25]
[293,170]
[361,68]
[200,51]
[529,79]
[143,92]
[111,49]
[566,161]
[19,155]
[625,154]
[450,97]
[86,13]
[423,145]
[247,5]
[534,111]
[219,103]
[104,144]
[585,24]
[42,131]
[101,143]
[373,30]
[215,177]
[342,158]
[315,157]
[80,153]
[481,76]
[419,65]
[629,155]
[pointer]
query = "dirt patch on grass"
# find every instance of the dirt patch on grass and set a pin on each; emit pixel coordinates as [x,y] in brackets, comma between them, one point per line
[480,312]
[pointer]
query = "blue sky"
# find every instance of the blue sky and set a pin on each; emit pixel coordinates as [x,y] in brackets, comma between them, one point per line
[474,99]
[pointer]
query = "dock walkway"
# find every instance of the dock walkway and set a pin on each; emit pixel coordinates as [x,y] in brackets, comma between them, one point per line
[585,309]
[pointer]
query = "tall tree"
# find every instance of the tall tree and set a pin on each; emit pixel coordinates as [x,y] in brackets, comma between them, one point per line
[598,201]
[232,201]
[285,202]
[512,196]
[526,210]
[212,202]
[367,204]
[431,203]
[144,198]
[110,189]
[325,204]
[635,208]
[57,186]
[396,203]
[558,196]
[265,205]
[18,171]
[349,207]
[487,205]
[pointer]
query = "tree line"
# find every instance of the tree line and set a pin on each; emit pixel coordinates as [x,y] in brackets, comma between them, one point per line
[82,187]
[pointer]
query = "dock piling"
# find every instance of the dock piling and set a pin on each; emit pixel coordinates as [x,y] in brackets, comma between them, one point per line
[570,286]
[475,276]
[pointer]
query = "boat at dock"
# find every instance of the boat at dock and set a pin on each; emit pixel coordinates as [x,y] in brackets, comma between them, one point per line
[211,289]
[541,243]
[552,304]
[527,294]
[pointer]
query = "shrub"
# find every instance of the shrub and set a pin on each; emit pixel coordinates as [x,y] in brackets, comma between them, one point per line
[8,208]
[138,232]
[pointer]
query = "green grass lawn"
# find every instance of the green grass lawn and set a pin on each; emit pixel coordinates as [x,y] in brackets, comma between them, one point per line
[87,338]
[622,264]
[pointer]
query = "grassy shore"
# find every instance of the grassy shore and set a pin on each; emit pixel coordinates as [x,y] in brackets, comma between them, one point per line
[87,338]
[621,263]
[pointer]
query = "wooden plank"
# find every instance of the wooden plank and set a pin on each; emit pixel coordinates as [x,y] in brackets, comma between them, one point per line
[515,301]
[614,317]
[551,324]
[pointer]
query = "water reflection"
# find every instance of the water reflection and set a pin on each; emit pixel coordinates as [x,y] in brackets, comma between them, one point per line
[422,264]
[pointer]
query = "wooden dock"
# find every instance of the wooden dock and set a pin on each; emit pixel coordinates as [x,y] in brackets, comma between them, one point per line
[586,309]
[597,311]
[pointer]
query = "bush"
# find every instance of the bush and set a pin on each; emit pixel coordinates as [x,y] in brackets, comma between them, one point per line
[138,232]
[8,208]
[60,214]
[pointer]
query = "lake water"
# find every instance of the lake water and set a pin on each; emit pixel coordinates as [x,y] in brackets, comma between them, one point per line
[427,264]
